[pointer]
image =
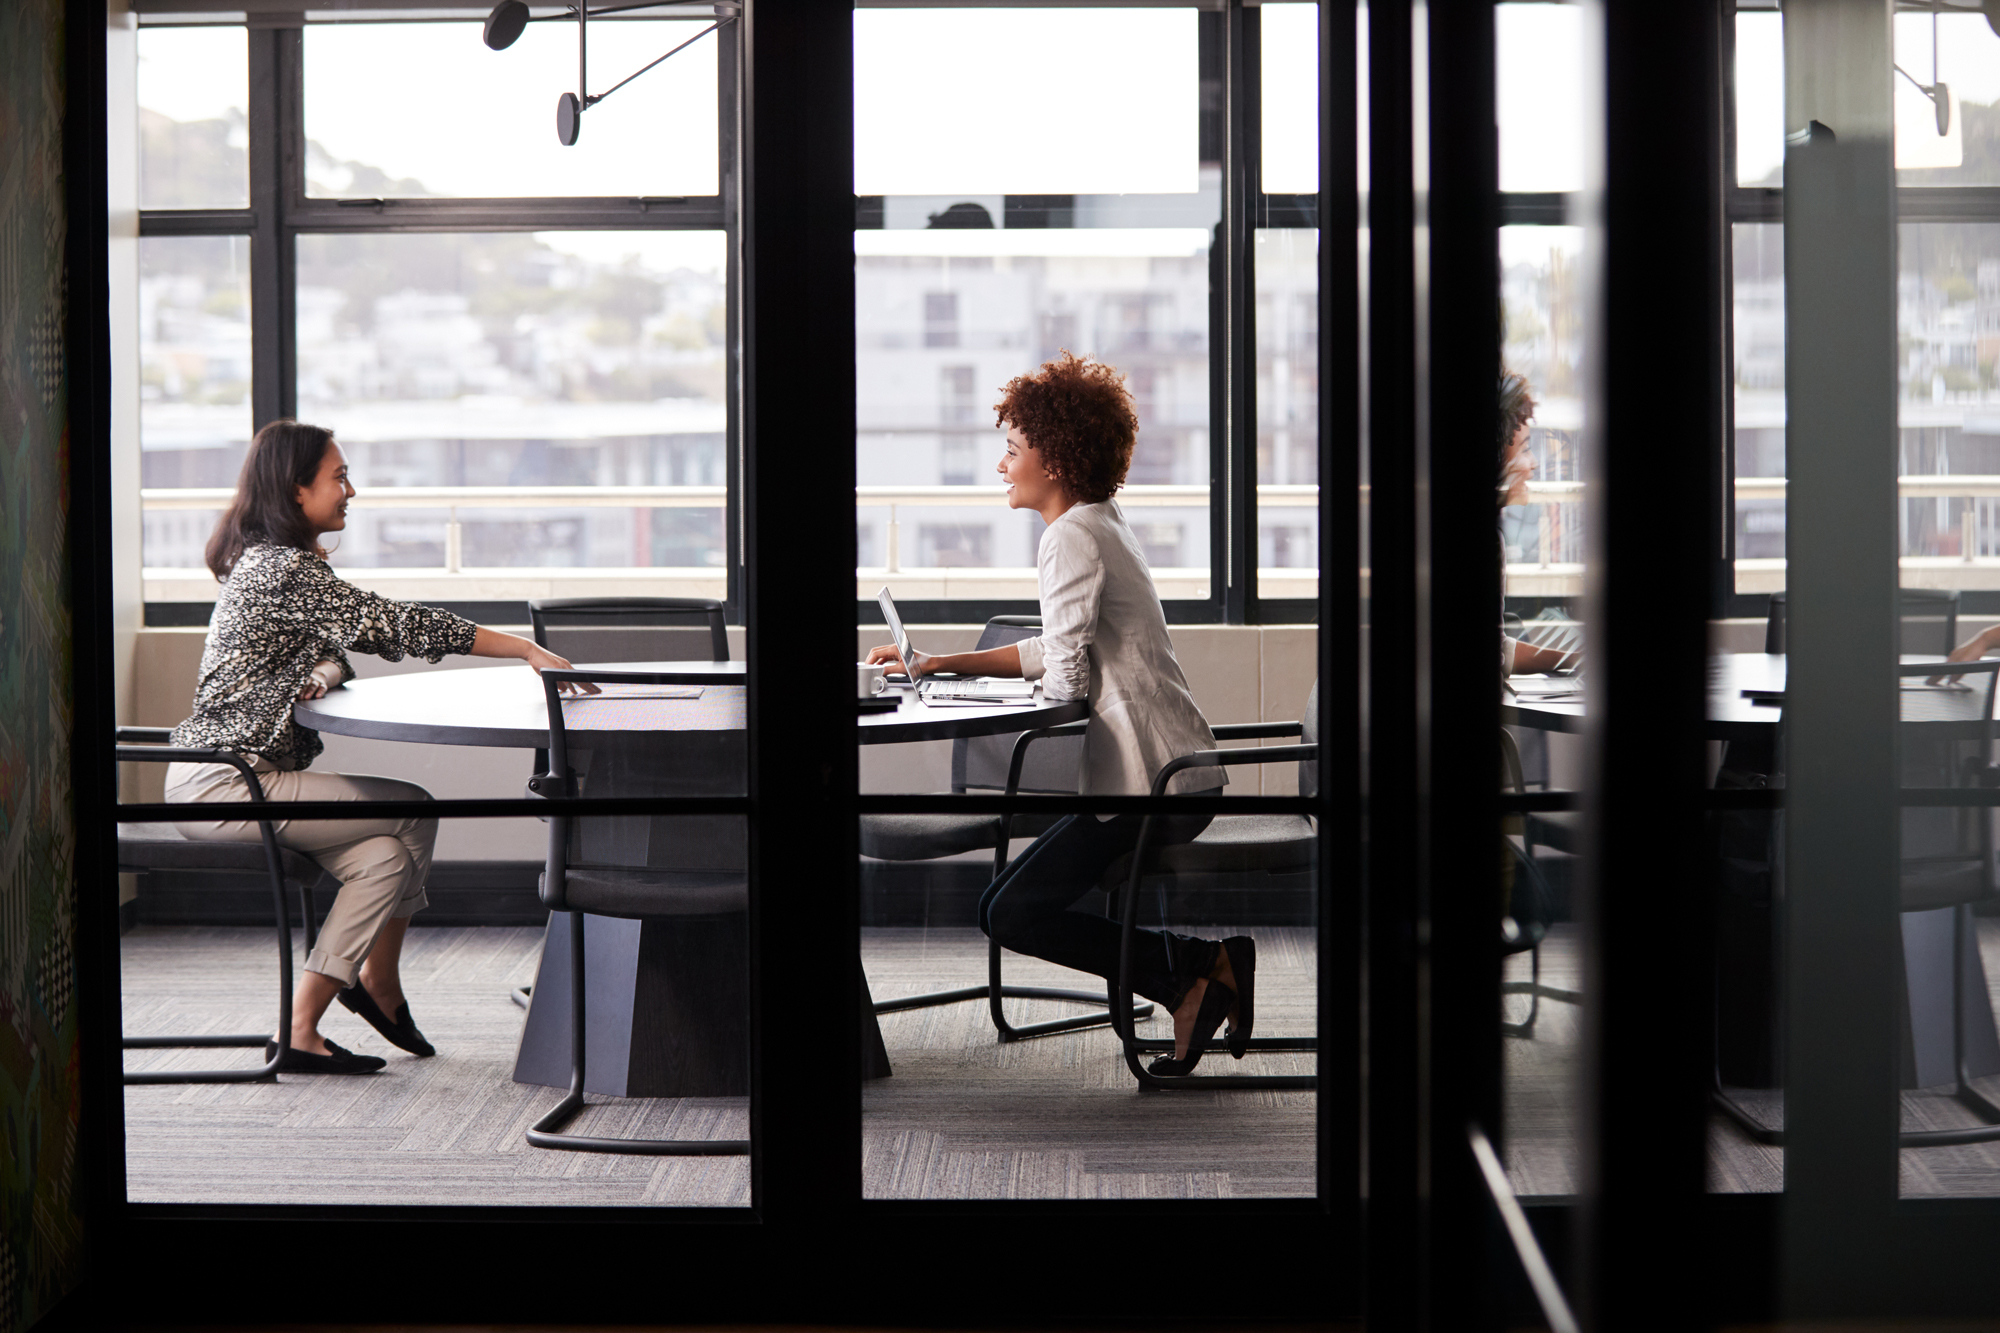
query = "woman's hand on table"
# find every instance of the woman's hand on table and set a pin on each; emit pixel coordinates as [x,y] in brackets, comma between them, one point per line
[1971,650]
[921,664]
[540,659]
[325,676]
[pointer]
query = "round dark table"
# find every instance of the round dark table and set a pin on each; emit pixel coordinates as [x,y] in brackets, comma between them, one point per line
[1748,942]
[504,707]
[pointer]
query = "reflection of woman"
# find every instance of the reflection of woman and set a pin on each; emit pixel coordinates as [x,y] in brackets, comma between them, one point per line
[1070,435]
[1517,465]
[282,626]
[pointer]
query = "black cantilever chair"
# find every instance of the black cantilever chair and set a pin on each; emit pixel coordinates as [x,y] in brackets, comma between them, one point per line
[150,848]
[633,892]
[1526,922]
[1003,764]
[626,629]
[1947,861]
[1231,844]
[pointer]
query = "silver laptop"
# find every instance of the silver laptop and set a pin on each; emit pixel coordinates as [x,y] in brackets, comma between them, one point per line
[968,687]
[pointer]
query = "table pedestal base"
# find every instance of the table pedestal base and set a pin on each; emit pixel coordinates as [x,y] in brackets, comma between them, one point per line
[666,1003]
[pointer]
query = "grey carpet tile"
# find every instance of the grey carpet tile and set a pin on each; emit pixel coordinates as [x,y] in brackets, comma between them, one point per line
[447,1130]
[1060,1117]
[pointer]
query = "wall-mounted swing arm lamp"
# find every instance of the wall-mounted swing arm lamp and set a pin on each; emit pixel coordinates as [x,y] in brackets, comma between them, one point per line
[1936,89]
[511,17]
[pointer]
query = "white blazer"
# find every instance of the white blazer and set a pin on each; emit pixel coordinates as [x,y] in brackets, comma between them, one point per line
[1104,638]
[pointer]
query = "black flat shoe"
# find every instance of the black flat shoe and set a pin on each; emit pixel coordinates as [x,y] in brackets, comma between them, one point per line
[400,1030]
[1215,1003]
[1242,952]
[337,1060]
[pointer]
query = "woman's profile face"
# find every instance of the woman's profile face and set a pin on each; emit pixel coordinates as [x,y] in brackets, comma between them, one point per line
[1029,485]
[324,503]
[1517,465]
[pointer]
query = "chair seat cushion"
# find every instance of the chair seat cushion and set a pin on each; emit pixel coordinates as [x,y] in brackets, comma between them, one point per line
[1929,883]
[1231,844]
[144,847]
[1560,829]
[926,837]
[637,892]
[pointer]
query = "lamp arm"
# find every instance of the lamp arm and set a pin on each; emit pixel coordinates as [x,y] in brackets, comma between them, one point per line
[594,98]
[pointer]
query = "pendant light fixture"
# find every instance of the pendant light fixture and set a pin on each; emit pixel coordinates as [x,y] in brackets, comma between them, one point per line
[511,17]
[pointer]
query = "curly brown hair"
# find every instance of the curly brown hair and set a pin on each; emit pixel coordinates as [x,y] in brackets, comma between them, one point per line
[1078,415]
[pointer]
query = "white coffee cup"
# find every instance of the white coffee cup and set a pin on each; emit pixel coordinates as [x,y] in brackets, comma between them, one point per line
[869,681]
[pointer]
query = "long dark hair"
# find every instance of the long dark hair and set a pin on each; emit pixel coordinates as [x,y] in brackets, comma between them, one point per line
[284,456]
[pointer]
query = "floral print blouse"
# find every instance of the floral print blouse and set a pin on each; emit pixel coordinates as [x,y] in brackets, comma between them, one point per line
[282,612]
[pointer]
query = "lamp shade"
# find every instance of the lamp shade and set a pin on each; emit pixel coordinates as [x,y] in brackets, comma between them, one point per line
[504,24]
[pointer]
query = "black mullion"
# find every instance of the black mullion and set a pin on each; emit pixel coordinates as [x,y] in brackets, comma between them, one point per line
[1458,870]
[272,381]
[1213,45]
[1393,1238]
[728,121]
[1240,194]
[798,228]
[539,213]
[93,779]
[1339,915]
[1648,1061]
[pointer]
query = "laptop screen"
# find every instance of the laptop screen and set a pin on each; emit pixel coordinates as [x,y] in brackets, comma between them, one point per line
[895,623]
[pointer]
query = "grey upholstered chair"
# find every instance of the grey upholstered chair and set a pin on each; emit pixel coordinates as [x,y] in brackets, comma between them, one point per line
[657,629]
[1928,619]
[607,885]
[989,763]
[146,849]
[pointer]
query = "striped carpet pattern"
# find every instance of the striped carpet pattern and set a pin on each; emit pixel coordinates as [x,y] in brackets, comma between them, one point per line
[964,1117]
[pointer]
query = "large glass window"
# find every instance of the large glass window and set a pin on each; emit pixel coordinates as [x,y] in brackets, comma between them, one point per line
[194,395]
[537,362]
[993,236]
[467,121]
[551,396]
[194,84]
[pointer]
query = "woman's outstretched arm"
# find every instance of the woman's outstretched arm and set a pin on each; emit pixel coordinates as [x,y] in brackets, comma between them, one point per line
[1004,661]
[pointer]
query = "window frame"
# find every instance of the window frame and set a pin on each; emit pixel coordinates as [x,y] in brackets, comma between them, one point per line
[1766,204]
[280,211]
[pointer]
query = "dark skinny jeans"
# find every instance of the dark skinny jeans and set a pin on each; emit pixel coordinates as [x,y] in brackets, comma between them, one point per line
[1027,908]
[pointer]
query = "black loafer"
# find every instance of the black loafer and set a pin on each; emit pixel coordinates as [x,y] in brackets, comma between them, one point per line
[399,1030]
[1215,1004]
[1242,951]
[337,1060]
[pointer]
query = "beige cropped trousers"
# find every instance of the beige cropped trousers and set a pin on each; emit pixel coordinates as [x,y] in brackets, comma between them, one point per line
[382,864]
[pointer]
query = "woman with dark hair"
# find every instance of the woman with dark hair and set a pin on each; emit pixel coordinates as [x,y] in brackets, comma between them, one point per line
[1517,465]
[1070,435]
[283,625]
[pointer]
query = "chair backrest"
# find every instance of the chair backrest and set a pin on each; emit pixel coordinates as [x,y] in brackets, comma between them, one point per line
[1309,721]
[1946,739]
[1054,766]
[641,762]
[631,629]
[1929,621]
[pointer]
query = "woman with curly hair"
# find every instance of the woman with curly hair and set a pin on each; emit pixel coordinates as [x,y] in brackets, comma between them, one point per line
[1070,434]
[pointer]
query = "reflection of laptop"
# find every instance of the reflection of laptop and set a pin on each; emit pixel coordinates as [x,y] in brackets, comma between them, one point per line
[971,687]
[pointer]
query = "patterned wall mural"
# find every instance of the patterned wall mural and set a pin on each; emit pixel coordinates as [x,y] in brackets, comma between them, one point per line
[40,1228]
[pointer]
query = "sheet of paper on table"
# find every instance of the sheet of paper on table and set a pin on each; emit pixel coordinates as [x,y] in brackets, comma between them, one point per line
[614,690]
[1544,687]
